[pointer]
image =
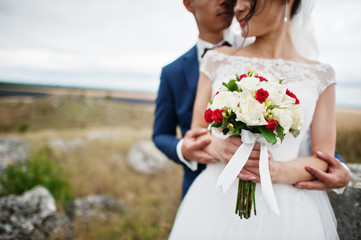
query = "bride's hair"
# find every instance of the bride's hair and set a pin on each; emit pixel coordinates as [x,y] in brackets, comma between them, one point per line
[255,5]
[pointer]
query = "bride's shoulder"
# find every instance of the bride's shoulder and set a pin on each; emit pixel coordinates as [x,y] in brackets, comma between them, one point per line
[310,62]
[319,66]
[300,59]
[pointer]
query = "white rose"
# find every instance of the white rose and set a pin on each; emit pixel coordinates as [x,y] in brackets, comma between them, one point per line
[250,84]
[276,91]
[223,89]
[225,100]
[268,76]
[284,117]
[287,101]
[250,111]
[297,115]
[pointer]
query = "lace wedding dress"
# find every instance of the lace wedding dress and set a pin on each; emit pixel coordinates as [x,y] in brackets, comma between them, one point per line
[205,213]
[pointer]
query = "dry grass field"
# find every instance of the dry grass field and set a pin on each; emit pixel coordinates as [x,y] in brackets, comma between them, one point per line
[97,166]
[107,130]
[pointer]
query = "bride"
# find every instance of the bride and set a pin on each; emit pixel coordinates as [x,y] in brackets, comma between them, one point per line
[207,213]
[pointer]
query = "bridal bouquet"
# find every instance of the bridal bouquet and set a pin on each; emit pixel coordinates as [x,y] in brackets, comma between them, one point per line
[258,108]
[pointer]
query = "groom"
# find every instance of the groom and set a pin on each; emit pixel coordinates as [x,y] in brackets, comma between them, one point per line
[176,95]
[177,90]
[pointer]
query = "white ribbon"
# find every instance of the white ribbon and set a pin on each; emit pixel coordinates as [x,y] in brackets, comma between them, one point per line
[239,159]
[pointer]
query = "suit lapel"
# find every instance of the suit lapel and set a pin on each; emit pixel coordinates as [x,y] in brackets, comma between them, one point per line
[191,69]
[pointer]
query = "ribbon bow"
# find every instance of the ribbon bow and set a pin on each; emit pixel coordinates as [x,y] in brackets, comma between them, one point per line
[239,159]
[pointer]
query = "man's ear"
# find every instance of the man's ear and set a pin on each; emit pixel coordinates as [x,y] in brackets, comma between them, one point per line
[188,5]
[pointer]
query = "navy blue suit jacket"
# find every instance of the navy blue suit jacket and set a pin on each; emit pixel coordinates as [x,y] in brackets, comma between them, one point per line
[174,107]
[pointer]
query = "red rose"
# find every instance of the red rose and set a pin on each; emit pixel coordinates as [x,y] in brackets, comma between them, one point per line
[242,76]
[272,125]
[208,115]
[292,95]
[217,115]
[261,78]
[261,95]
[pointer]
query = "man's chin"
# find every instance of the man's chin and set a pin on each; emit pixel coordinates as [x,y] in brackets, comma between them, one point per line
[224,22]
[227,24]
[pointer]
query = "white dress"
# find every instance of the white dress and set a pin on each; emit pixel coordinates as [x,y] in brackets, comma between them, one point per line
[205,213]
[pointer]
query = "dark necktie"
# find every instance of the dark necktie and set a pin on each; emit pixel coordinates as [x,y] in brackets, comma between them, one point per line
[207,49]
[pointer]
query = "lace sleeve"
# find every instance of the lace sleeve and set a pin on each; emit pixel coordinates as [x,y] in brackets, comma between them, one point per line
[210,63]
[326,75]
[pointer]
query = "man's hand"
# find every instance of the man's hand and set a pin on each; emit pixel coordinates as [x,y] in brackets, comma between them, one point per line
[336,177]
[192,148]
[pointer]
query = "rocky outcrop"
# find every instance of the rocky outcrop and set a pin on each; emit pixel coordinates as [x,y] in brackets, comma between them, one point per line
[145,158]
[355,175]
[347,209]
[93,207]
[32,216]
[347,206]
[66,146]
[12,150]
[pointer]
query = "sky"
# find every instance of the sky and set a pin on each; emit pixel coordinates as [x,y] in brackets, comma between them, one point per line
[118,44]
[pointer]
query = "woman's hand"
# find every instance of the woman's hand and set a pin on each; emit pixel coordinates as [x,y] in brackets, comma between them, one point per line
[251,170]
[223,149]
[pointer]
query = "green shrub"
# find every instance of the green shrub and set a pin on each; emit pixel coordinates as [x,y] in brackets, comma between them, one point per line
[23,127]
[40,170]
[108,97]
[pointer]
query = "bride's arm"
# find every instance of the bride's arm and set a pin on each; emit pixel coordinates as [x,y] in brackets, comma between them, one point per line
[323,139]
[203,95]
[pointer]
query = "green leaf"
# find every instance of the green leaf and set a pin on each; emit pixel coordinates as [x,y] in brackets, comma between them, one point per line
[295,132]
[268,135]
[216,125]
[224,123]
[225,84]
[232,86]
[279,131]
[225,131]
[237,125]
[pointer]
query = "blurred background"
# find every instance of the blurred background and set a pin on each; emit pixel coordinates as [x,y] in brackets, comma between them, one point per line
[117,44]
[78,79]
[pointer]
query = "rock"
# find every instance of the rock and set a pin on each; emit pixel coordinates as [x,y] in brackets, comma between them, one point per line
[42,196]
[347,208]
[32,216]
[12,150]
[66,146]
[94,206]
[145,158]
[355,175]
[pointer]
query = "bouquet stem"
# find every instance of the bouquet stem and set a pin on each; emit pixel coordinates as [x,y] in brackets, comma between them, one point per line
[246,198]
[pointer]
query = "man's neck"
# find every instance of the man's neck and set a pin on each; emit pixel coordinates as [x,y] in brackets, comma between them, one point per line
[211,37]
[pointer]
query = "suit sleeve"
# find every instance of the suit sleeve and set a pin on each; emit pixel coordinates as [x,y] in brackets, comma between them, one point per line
[338,156]
[165,119]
